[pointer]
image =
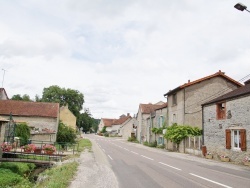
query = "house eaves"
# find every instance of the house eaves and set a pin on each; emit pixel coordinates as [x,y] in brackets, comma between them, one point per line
[221,74]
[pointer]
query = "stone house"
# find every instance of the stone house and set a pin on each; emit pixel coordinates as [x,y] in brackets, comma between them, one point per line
[184,102]
[3,124]
[143,113]
[41,117]
[127,129]
[105,122]
[113,125]
[67,117]
[3,94]
[226,124]
[157,119]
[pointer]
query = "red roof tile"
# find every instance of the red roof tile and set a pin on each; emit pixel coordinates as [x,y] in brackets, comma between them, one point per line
[24,108]
[148,108]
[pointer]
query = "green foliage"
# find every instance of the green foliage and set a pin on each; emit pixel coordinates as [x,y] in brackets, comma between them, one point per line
[133,139]
[83,144]
[85,121]
[22,131]
[9,178]
[73,98]
[145,143]
[104,129]
[176,133]
[65,133]
[23,169]
[18,97]
[106,134]
[158,130]
[64,173]
[95,124]
[154,130]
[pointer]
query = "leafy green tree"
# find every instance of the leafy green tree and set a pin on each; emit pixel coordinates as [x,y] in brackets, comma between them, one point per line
[95,124]
[18,97]
[22,131]
[85,121]
[73,98]
[176,133]
[65,133]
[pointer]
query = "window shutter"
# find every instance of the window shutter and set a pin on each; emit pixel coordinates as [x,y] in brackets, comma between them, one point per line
[243,139]
[228,139]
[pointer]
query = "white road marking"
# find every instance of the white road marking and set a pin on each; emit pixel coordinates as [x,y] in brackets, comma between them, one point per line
[147,157]
[210,180]
[170,166]
[126,149]
[134,152]
[103,150]
[110,157]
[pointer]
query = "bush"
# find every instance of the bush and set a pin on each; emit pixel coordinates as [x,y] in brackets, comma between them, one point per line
[106,134]
[133,139]
[152,144]
[22,131]
[23,169]
[9,178]
[145,143]
[65,133]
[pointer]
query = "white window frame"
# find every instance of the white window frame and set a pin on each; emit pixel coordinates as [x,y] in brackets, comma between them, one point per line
[235,139]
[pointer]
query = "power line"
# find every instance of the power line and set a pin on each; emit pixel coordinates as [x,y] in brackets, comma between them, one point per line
[3,76]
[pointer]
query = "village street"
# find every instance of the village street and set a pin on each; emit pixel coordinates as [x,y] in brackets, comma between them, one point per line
[135,165]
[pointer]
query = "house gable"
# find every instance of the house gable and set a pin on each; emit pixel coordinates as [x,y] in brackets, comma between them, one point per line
[3,94]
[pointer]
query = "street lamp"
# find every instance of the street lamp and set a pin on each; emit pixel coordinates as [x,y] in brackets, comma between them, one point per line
[241,7]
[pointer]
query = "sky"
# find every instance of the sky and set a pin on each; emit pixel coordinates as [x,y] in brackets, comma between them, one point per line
[119,53]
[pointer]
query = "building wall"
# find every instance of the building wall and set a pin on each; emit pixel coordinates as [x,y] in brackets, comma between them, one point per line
[127,128]
[101,125]
[189,100]
[2,131]
[37,122]
[67,117]
[176,110]
[214,130]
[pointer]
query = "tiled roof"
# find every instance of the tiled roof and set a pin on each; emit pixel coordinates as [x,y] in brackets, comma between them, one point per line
[108,122]
[148,108]
[245,90]
[221,74]
[23,108]
[165,105]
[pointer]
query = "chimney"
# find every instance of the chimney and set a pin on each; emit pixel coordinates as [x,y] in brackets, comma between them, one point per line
[247,82]
[128,114]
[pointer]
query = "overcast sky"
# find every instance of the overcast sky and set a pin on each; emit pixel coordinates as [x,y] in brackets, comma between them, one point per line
[119,53]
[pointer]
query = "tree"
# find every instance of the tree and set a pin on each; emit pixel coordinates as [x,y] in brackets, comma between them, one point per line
[73,98]
[18,97]
[85,121]
[65,133]
[22,131]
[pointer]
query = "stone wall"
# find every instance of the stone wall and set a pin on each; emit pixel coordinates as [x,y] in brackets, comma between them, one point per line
[214,130]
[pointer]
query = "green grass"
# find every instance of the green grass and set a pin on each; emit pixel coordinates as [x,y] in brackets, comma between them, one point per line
[58,177]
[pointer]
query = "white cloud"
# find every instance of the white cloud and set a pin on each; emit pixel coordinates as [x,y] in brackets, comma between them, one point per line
[119,53]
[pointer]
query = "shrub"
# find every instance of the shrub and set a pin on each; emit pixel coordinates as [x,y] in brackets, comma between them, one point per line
[106,134]
[152,144]
[145,143]
[65,133]
[9,178]
[23,169]
[22,131]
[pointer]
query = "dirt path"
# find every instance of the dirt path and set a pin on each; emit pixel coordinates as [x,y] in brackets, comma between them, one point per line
[94,171]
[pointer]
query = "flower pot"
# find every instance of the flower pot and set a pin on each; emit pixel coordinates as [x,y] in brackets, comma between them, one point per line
[247,163]
[224,159]
[38,150]
[209,156]
[48,152]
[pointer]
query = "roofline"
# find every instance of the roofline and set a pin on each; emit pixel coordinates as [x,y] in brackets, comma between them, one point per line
[222,74]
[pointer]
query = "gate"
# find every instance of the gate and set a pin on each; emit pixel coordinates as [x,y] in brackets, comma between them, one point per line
[10,131]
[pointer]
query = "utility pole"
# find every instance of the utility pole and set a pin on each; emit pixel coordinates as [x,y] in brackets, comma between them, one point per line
[3,76]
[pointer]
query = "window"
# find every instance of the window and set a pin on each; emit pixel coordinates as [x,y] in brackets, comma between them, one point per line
[160,121]
[174,118]
[236,139]
[221,110]
[174,99]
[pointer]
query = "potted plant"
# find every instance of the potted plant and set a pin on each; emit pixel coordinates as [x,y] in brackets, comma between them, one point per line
[49,149]
[224,158]
[29,148]
[6,147]
[246,161]
[209,155]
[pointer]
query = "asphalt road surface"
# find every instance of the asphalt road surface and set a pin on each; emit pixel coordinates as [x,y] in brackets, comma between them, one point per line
[138,166]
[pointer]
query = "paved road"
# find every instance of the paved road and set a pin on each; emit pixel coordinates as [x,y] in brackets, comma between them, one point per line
[138,166]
